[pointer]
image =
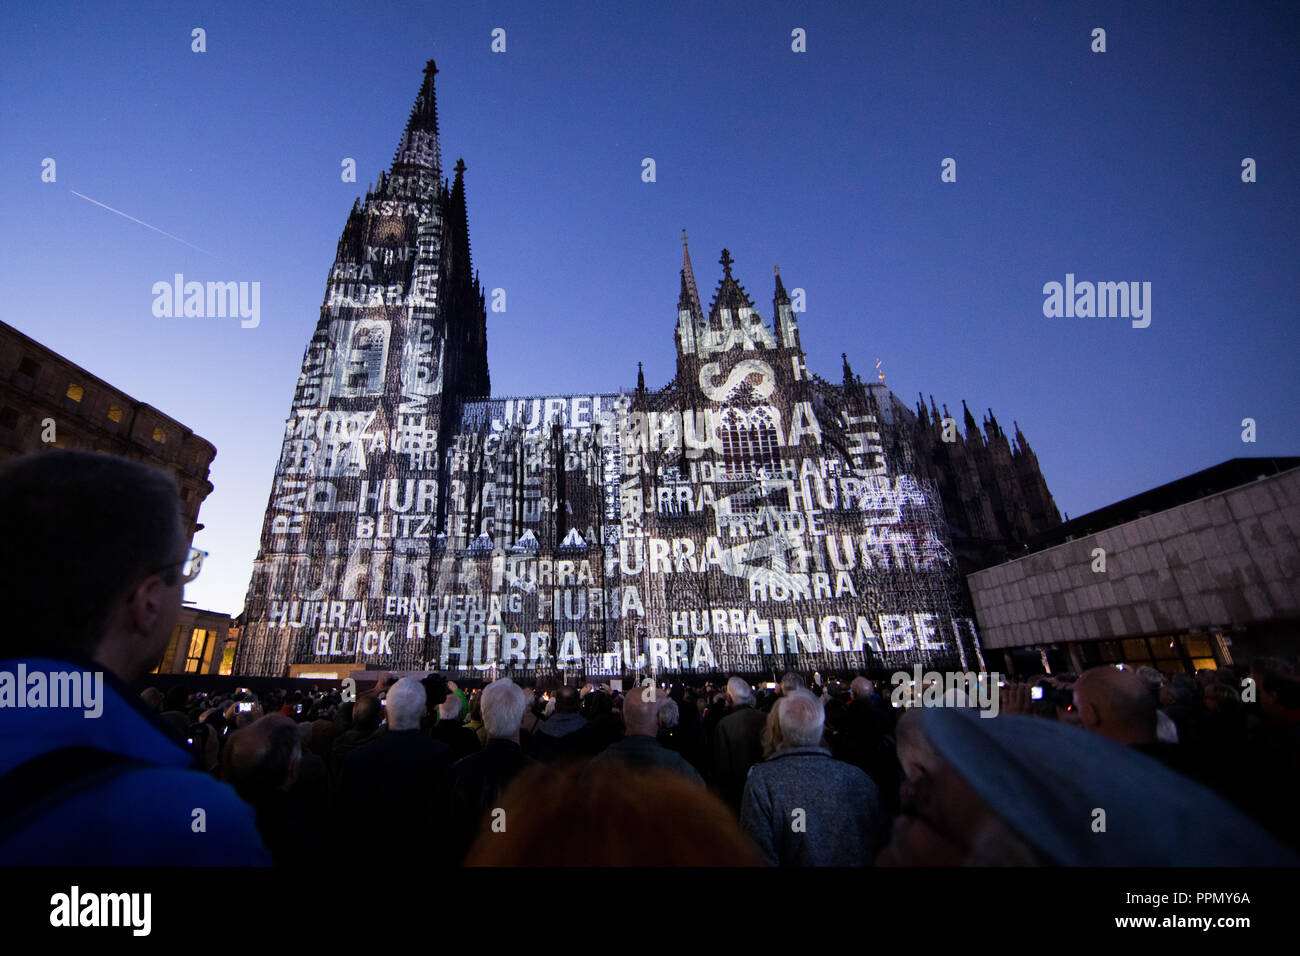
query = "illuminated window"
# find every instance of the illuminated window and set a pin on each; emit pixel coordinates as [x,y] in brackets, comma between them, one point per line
[115,413]
[1136,650]
[199,640]
[75,392]
[1205,664]
[1164,647]
[160,436]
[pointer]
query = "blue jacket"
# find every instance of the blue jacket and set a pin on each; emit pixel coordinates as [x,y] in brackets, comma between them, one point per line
[144,816]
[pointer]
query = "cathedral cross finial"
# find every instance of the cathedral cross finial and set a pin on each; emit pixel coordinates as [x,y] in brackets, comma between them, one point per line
[726,261]
[683,237]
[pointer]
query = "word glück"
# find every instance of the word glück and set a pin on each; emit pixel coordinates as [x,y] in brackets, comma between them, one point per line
[83,689]
[949,689]
[213,300]
[1103,300]
[102,909]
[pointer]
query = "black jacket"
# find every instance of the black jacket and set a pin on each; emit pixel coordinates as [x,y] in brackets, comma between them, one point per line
[457,736]
[472,789]
[401,771]
[737,746]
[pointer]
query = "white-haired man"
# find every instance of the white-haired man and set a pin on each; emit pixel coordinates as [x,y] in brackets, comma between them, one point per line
[801,805]
[474,784]
[737,742]
[400,769]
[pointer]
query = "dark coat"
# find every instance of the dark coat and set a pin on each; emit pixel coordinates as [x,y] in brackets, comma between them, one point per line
[347,742]
[737,746]
[457,736]
[641,752]
[562,737]
[471,789]
[865,741]
[399,771]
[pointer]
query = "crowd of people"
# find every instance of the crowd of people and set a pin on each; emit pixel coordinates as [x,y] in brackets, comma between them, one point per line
[1117,766]
[823,775]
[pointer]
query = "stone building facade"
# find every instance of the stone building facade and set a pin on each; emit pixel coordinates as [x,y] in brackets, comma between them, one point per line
[748,516]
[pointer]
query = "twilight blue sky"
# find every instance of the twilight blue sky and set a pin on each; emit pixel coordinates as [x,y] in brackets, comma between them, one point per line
[1117,166]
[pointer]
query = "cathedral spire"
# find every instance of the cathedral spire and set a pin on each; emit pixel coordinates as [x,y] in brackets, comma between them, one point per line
[997,429]
[419,143]
[848,370]
[780,295]
[690,294]
[460,216]
[731,294]
[972,429]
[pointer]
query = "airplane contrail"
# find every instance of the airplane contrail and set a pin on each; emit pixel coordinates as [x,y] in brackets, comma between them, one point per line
[145,224]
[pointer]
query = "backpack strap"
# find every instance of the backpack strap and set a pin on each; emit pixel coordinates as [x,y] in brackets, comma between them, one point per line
[34,788]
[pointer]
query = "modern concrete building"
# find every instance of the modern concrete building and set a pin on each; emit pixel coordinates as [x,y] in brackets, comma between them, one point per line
[1198,573]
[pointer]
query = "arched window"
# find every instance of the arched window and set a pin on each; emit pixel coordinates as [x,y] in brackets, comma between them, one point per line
[749,439]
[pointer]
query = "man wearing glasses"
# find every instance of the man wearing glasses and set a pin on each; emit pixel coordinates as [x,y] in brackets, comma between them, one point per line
[93,563]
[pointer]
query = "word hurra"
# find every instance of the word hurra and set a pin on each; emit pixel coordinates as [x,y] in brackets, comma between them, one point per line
[215,300]
[949,689]
[1104,300]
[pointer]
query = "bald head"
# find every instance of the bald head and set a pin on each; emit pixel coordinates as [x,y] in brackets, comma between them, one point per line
[641,710]
[449,709]
[262,757]
[1116,704]
[566,700]
[366,714]
[152,697]
[862,689]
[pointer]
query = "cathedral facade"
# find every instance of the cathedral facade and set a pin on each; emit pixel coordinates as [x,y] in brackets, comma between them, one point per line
[747,517]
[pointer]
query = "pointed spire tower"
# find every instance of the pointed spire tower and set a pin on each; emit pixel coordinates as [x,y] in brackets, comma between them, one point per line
[690,297]
[690,314]
[464,296]
[972,429]
[418,146]
[786,327]
[399,344]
